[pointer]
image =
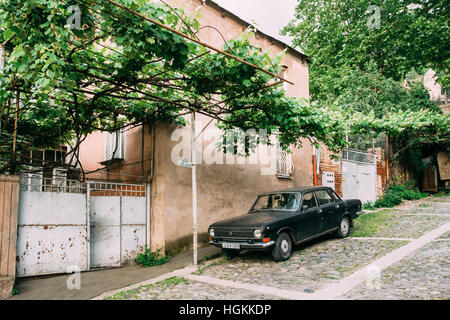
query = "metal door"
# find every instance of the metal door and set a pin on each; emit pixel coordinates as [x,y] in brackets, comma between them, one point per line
[359,176]
[119,222]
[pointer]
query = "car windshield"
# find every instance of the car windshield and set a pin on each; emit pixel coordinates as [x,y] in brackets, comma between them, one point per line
[277,201]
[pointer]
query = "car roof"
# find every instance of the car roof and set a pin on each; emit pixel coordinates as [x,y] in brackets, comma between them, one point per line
[299,189]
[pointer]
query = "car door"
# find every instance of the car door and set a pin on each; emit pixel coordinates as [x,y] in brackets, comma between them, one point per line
[339,205]
[328,211]
[308,220]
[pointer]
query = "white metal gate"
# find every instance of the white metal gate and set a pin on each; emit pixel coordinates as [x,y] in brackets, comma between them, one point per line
[119,222]
[82,225]
[52,227]
[359,176]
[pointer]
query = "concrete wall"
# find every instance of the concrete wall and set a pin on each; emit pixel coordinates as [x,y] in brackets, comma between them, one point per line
[223,191]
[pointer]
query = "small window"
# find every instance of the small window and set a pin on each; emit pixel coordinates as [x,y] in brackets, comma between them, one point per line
[309,201]
[323,197]
[115,145]
[284,163]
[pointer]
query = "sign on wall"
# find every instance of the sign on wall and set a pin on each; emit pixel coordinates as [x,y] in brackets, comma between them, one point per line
[328,179]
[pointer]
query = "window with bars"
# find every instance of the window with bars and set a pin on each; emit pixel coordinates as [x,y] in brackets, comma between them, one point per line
[284,164]
[115,145]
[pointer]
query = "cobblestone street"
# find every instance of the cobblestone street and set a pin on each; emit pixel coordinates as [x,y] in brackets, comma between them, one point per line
[408,258]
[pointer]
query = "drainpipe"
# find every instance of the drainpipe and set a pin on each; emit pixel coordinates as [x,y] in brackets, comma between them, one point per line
[314,169]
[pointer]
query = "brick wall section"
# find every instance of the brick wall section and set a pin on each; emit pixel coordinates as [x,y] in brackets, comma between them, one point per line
[326,164]
[381,170]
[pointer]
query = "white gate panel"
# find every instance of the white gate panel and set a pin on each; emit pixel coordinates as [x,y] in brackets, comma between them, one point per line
[105,231]
[367,181]
[52,233]
[134,218]
[359,174]
[349,180]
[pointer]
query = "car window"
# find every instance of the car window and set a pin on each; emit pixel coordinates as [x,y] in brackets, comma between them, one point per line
[323,197]
[334,195]
[309,200]
[277,201]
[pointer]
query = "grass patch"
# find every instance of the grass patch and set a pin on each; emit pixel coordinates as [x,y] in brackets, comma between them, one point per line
[442,193]
[394,195]
[148,259]
[369,225]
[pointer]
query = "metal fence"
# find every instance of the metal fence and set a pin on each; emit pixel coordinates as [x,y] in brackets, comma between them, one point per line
[358,156]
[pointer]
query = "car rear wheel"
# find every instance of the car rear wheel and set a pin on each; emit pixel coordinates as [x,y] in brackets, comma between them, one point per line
[282,248]
[344,227]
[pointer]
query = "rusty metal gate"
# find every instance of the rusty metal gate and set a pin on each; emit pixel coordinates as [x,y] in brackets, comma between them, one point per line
[64,224]
[119,222]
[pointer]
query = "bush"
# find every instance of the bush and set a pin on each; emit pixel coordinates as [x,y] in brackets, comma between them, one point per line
[395,194]
[148,259]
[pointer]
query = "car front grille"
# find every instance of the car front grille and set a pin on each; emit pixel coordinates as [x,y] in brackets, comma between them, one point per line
[233,233]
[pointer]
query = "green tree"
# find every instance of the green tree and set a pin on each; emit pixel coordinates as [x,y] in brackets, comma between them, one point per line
[409,34]
[361,51]
[116,69]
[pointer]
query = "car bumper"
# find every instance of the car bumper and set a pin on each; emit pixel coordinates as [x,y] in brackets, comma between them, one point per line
[246,245]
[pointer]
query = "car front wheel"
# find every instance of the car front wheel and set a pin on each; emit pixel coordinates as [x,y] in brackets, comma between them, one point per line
[344,227]
[282,248]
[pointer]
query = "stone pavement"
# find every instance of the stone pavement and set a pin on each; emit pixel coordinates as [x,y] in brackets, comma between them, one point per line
[406,259]
[94,283]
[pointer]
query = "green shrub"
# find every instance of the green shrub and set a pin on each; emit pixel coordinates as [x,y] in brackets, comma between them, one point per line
[148,259]
[396,193]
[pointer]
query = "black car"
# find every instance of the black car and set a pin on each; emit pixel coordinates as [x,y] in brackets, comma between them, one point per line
[279,219]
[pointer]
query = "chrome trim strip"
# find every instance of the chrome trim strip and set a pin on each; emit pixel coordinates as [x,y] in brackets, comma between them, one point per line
[317,235]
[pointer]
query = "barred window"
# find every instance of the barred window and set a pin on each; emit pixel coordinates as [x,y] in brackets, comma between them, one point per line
[284,164]
[115,145]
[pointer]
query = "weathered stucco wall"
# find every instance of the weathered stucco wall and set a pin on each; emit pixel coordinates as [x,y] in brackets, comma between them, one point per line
[223,190]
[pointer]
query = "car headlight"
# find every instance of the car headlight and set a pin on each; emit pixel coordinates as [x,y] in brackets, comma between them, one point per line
[257,233]
[211,232]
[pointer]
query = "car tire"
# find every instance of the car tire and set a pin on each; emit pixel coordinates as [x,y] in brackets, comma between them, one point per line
[282,248]
[230,253]
[344,227]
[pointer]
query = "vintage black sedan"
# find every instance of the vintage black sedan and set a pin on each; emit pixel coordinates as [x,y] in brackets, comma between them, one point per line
[277,220]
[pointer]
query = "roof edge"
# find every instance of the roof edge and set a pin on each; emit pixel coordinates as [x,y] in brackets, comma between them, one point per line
[294,50]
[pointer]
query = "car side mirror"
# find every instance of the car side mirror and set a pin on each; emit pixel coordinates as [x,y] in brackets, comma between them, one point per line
[304,207]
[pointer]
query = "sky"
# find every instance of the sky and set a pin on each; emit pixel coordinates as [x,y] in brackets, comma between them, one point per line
[270,15]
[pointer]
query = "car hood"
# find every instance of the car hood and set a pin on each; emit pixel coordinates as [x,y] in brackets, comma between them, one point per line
[253,219]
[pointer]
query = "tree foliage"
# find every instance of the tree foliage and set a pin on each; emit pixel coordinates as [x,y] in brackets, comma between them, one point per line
[359,62]
[118,70]
[409,34]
